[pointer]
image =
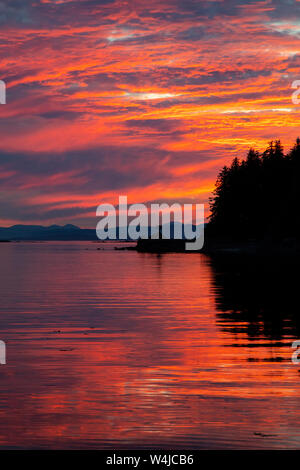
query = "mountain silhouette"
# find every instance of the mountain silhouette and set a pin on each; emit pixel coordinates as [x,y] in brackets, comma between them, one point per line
[66,232]
[40,233]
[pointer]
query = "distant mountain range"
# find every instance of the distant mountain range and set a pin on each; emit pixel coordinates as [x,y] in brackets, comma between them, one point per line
[67,232]
[53,232]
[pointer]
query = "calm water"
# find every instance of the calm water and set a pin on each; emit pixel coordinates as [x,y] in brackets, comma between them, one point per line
[116,349]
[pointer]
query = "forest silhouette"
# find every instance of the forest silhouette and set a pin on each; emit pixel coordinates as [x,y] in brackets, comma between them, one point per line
[258,198]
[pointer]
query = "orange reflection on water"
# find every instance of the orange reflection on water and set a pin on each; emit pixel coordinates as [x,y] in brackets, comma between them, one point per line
[120,349]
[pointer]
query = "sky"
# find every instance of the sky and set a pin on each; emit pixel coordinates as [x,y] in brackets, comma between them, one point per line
[147,99]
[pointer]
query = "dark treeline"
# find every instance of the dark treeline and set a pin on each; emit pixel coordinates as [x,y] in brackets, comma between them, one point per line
[258,198]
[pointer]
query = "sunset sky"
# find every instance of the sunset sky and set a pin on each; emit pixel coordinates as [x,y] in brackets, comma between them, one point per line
[141,98]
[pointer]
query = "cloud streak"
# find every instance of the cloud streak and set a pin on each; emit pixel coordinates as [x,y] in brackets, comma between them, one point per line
[150,99]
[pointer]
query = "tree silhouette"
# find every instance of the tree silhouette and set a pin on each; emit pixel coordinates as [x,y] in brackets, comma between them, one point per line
[258,198]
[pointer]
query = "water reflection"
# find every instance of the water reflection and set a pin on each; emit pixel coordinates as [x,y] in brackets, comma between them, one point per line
[259,296]
[120,349]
